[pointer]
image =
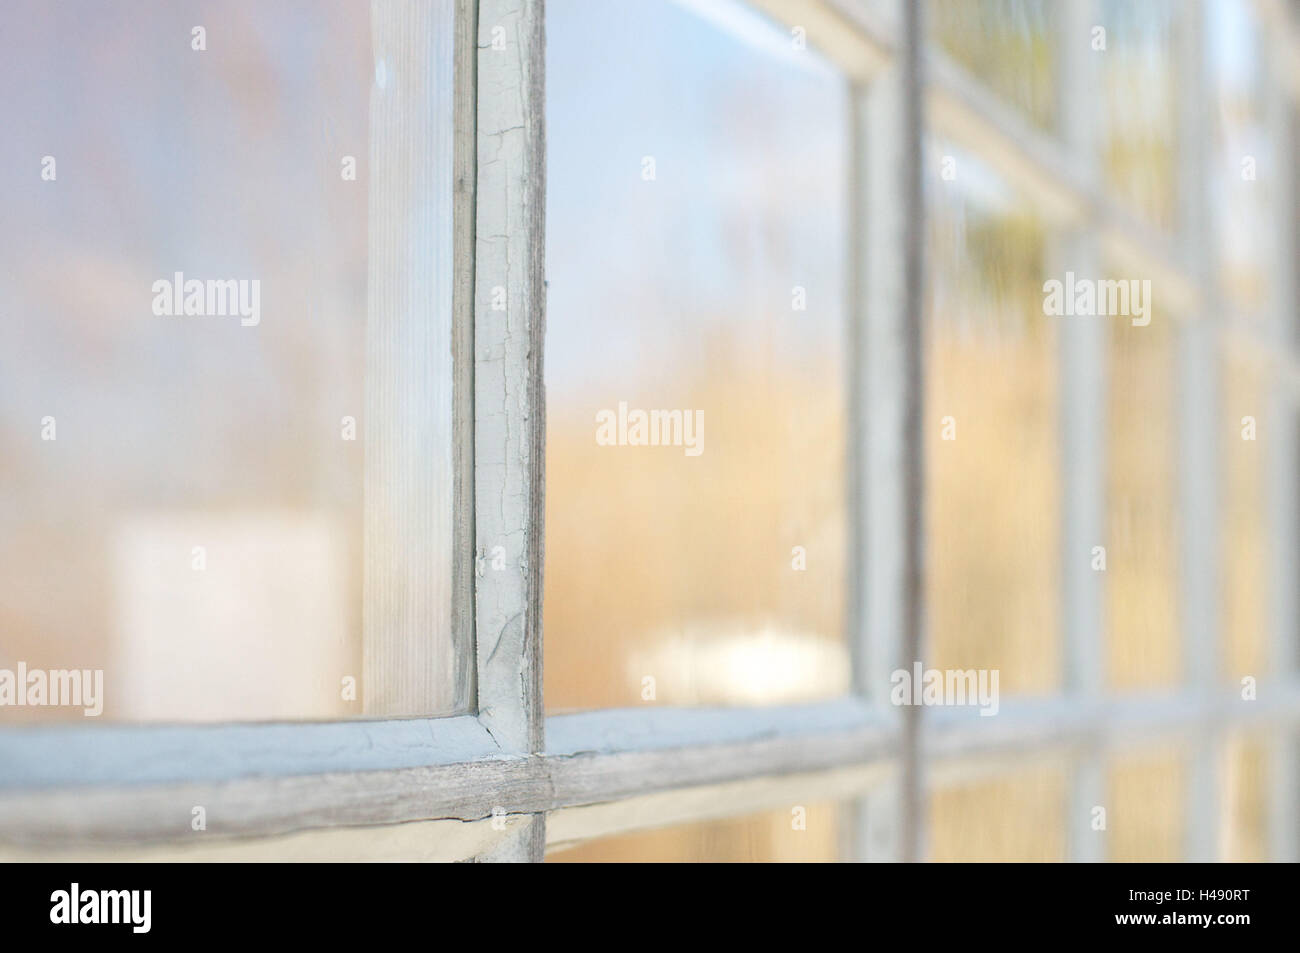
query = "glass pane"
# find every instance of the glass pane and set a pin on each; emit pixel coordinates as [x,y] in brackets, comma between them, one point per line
[695,244]
[1244,522]
[1017,817]
[1142,499]
[1138,106]
[801,833]
[993,583]
[1246,785]
[1146,807]
[1244,164]
[1007,45]
[183,388]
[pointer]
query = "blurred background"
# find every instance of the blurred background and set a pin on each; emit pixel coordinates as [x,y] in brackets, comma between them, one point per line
[180,432]
[677,292]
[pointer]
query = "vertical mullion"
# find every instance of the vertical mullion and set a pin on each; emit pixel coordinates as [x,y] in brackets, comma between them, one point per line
[509,410]
[1083,375]
[414,663]
[885,387]
[912,133]
[876,412]
[464,212]
[1282,449]
[1198,425]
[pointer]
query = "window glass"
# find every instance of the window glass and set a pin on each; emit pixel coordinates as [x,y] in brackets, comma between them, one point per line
[1142,500]
[695,499]
[1244,164]
[1009,45]
[183,429]
[1145,814]
[1247,769]
[1246,434]
[801,833]
[991,395]
[1018,816]
[1137,107]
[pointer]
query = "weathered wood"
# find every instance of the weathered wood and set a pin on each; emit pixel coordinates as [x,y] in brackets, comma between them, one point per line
[510,414]
[465,157]
[122,754]
[509,396]
[420,842]
[599,758]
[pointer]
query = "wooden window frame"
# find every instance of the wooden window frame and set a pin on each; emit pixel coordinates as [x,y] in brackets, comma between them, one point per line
[505,783]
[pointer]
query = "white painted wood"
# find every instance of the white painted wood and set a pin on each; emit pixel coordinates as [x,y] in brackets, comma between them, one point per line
[1083,433]
[1198,404]
[876,819]
[622,730]
[509,395]
[911,135]
[465,212]
[525,843]
[877,386]
[412,662]
[1282,441]
[510,417]
[878,406]
[421,842]
[597,759]
[116,754]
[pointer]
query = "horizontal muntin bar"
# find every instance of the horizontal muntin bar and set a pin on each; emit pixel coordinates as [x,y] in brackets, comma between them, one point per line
[595,758]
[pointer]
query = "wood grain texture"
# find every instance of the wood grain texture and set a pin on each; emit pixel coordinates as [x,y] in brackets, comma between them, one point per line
[601,760]
[92,755]
[465,158]
[509,396]
[419,842]
[412,662]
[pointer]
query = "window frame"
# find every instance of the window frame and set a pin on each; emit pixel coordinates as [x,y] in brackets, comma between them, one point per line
[505,783]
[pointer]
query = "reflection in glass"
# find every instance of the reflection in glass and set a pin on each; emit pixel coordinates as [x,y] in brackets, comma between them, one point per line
[695,236]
